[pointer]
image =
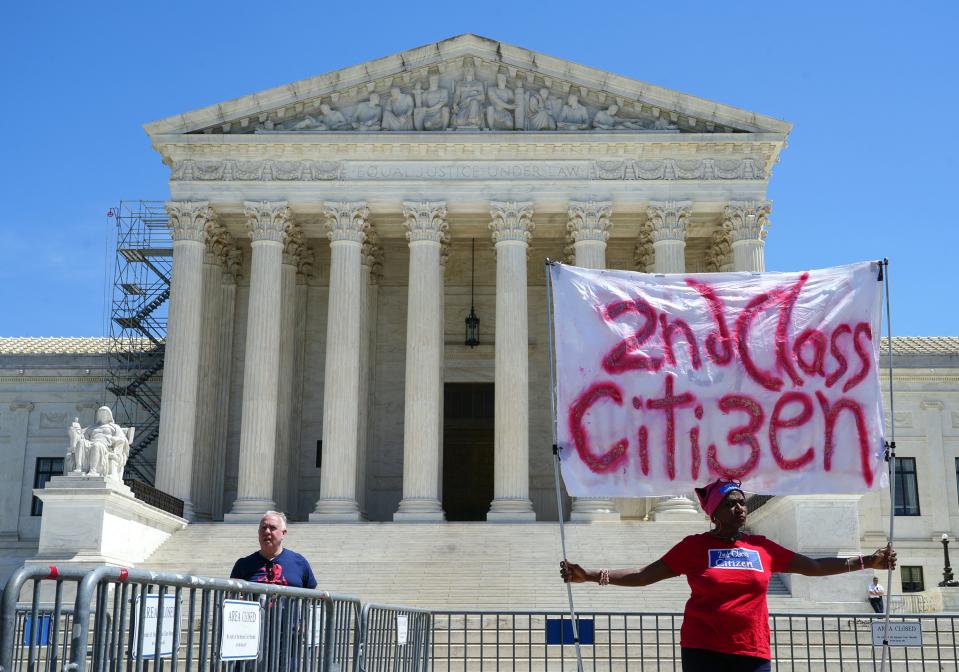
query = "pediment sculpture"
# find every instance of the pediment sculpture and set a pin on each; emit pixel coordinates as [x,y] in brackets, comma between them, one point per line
[99,450]
[465,101]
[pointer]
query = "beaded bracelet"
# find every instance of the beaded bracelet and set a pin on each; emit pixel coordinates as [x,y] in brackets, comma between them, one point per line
[604,577]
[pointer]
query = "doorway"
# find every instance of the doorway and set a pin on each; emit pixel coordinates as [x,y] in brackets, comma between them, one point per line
[468,412]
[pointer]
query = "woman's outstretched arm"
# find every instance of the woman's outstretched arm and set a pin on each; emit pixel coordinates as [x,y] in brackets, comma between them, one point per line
[883,558]
[651,573]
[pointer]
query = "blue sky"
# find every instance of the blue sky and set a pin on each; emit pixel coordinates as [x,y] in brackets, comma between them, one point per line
[871,88]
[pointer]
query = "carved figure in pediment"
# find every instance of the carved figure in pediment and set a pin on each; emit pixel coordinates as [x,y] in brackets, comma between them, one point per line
[607,120]
[398,111]
[368,114]
[499,113]
[432,111]
[521,97]
[539,115]
[329,120]
[575,116]
[664,124]
[99,450]
[468,100]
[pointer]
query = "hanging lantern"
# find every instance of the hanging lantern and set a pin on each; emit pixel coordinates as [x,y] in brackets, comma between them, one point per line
[472,321]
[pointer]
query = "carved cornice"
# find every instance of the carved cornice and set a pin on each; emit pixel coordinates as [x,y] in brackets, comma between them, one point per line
[511,221]
[668,220]
[589,220]
[189,219]
[653,169]
[346,220]
[425,221]
[267,220]
[747,220]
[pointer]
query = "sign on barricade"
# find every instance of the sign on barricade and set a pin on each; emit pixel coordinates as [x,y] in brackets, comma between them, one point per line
[902,633]
[240,638]
[148,635]
[402,629]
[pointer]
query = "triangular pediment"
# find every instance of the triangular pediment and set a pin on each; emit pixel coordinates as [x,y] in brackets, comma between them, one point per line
[467,83]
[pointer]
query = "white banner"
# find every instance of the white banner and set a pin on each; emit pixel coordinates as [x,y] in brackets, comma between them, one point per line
[665,382]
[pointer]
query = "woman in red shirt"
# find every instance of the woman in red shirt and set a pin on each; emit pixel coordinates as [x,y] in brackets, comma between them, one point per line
[726,621]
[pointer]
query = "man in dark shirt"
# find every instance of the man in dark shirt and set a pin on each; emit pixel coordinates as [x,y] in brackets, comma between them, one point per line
[273,563]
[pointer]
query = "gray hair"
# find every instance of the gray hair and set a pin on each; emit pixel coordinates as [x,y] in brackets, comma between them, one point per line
[276,514]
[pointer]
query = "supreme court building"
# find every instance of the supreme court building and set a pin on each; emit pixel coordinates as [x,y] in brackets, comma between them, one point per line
[324,266]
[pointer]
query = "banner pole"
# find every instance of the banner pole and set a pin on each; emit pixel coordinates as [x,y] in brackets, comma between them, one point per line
[556,475]
[891,459]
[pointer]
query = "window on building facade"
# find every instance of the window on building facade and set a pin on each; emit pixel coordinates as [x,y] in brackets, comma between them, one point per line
[912,579]
[907,487]
[47,467]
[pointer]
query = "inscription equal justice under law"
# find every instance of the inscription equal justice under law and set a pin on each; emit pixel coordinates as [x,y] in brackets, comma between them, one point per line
[456,170]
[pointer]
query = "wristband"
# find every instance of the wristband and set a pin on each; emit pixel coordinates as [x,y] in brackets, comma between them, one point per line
[604,577]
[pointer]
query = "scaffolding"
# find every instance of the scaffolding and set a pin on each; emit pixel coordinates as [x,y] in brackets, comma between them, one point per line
[141,292]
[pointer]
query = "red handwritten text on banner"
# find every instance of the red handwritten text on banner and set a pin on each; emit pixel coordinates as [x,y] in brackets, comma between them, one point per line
[665,382]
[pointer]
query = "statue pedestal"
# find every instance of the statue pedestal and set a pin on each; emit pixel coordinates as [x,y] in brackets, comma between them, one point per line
[97,520]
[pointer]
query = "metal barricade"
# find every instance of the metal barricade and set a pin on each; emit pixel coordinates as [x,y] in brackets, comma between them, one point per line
[34,632]
[394,638]
[176,622]
[477,640]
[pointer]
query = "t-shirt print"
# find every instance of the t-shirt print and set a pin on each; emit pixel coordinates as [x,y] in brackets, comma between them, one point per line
[735,558]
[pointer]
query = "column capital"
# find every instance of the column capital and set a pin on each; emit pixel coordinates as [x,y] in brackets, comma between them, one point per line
[267,220]
[668,219]
[512,221]
[644,254]
[219,243]
[719,253]
[589,220]
[189,219]
[425,221]
[294,245]
[371,254]
[747,220]
[346,220]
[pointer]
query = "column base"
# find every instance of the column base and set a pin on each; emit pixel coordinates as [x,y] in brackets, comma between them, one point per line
[247,509]
[519,510]
[337,511]
[676,508]
[594,510]
[413,510]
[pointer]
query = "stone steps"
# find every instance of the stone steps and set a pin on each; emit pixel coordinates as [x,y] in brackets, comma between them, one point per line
[459,565]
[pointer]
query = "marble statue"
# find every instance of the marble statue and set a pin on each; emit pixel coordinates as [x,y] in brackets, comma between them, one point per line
[663,124]
[468,100]
[432,111]
[329,120]
[368,114]
[99,450]
[574,116]
[539,115]
[398,111]
[499,113]
[608,121]
[521,98]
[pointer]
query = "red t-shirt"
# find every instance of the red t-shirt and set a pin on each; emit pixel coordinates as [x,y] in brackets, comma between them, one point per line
[727,611]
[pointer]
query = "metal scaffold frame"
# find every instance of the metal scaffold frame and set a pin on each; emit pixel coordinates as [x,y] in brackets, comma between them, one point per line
[138,323]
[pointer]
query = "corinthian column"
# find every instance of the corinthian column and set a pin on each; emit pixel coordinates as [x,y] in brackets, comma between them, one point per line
[667,223]
[283,493]
[219,245]
[188,220]
[268,223]
[588,227]
[425,226]
[512,228]
[746,222]
[346,224]
[369,260]
[304,269]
